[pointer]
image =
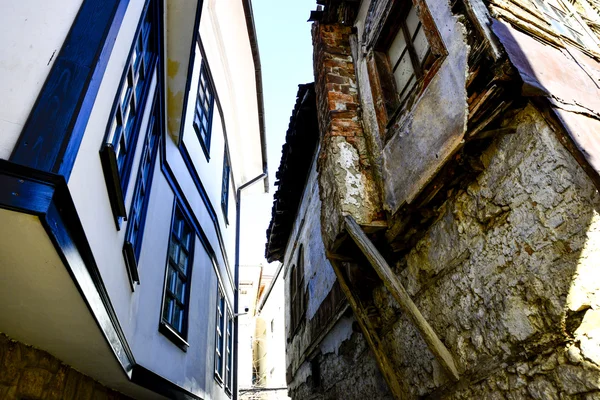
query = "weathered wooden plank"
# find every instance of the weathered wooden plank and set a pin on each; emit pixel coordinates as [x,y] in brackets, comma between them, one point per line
[481,125]
[481,19]
[362,317]
[393,284]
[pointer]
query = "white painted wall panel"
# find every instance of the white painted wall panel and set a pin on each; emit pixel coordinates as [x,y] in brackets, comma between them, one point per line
[87,183]
[31,35]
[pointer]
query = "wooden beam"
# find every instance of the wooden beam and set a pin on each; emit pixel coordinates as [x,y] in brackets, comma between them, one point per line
[393,284]
[373,339]
[481,18]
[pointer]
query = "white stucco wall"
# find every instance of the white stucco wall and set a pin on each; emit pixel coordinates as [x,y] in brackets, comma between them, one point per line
[31,36]
[225,38]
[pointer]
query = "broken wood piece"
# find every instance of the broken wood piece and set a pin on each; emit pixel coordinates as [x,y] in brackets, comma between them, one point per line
[501,108]
[496,132]
[362,317]
[481,18]
[334,256]
[481,99]
[374,226]
[393,284]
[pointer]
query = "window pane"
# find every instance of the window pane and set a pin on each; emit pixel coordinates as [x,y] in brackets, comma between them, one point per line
[403,73]
[180,291]
[178,318]
[408,89]
[397,47]
[167,310]
[173,251]
[412,21]
[421,45]
[172,280]
[183,260]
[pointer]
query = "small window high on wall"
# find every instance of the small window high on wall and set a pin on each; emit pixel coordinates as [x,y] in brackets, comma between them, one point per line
[203,113]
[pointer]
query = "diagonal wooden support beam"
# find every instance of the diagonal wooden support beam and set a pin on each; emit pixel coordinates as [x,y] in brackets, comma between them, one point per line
[362,317]
[393,284]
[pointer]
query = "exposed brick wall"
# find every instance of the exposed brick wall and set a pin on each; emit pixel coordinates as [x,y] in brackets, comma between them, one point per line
[346,179]
[27,373]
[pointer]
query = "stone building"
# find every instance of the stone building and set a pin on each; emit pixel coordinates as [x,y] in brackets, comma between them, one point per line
[129,130]
[455,188]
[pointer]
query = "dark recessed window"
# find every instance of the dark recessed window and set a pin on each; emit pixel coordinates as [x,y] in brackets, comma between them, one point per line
[297,295]
[225,184]
[219,340]
[124,124]
[179,265]
[141,195]
[204,109]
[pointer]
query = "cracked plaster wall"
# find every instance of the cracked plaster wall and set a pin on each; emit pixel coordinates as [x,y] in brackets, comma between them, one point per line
[507,277]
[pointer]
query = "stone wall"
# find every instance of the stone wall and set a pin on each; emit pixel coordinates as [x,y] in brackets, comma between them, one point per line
[344,369]
[30,374]
[507,277]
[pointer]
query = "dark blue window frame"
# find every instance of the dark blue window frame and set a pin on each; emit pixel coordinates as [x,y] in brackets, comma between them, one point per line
[225,185]
[204,109]
[141,195]
[220,335]
[228,351]
[118,149]
[180,255]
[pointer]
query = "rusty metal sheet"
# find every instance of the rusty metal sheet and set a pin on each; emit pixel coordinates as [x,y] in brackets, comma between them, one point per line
[585,133]
[566,75]
[568,78]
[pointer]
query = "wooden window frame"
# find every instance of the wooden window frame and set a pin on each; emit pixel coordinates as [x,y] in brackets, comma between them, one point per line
[175,334]
[141,195]
[388,106]
[120,141]
[205,89]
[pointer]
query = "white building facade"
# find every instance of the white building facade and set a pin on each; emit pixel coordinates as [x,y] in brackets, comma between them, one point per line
[128,131]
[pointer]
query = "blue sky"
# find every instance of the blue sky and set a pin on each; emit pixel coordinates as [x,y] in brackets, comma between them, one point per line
[285,47]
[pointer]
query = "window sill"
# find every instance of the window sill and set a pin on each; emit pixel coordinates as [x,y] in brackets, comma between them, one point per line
[218,379]
[173,336]
[131,264]
[108,160]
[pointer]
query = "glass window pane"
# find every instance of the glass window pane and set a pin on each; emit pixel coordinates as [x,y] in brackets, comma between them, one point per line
[409,88]
[183,260]
[167,311]
[178,318]
[180,291]
[421,45]
[412,21]
[403,73]
[397,47]
[171,279]
[173,251]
